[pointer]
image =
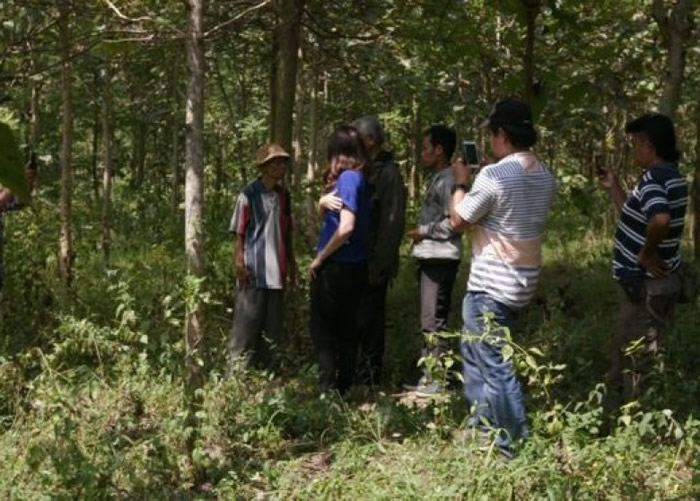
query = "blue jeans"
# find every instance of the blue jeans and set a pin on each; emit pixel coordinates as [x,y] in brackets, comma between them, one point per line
[490,382]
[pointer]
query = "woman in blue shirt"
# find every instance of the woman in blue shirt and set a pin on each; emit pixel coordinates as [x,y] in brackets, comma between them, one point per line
[339,270]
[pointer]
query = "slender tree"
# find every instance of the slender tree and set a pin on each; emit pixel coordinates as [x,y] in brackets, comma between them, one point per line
[284,69]
[107,160]
[676,28]
[532,8]
[65,239]
[194,200]
[695,190]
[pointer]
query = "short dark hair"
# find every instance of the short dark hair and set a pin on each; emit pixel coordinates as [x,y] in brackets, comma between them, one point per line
[520,138]
[442,135]
[658,129]
[514,117]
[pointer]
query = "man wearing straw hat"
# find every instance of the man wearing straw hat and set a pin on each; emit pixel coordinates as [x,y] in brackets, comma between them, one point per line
[264,259]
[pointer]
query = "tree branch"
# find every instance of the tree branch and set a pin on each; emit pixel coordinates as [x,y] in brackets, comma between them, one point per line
[661,17]
[236,18]
[126,18]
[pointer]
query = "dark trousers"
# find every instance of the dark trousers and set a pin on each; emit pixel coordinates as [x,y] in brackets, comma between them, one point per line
[257,311]
[335,296]
[371,322]
[437,277]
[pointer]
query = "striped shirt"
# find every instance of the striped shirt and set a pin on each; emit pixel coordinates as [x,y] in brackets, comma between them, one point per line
[661,189]
[508,205]
[263,217]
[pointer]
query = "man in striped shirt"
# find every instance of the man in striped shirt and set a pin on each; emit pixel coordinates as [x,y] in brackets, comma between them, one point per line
[506,210]
[646,256]
[262,225]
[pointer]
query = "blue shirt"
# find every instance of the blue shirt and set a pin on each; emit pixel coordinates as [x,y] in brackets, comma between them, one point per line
[661,189]
[352,190]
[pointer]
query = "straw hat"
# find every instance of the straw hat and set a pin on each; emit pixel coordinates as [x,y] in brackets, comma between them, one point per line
[269,152]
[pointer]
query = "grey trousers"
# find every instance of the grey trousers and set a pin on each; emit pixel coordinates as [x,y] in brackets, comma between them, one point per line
[642,324]
[258,322]
[437,276]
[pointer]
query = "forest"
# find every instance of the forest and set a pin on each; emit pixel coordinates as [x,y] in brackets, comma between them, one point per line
[141,120]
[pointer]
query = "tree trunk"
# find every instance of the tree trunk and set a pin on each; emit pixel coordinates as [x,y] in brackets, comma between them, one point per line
[695,191]
[174,145]
[675,30]
[107,173]
[194,202]
[65,239]
[312,166]
[34,105]
[284,69]
[219,171]
[413,178]
[95,145]
[140,132]
[531,10]
[299,123]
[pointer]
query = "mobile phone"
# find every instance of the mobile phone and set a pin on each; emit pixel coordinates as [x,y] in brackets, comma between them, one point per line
[470,154]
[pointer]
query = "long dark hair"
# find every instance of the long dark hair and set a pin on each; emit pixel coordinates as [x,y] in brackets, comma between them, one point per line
[344,141]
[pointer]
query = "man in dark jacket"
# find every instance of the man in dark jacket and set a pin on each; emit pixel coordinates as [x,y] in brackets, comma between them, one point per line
[385,234]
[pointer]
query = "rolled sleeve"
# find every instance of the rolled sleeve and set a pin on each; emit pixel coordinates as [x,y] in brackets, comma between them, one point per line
[478,202]
[348,187]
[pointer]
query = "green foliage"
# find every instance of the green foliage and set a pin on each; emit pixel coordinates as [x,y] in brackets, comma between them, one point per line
[12,173]
[91,389]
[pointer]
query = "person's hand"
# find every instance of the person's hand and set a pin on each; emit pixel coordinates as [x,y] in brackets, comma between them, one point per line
[331,201]
[606,178]
[242,274]
[463,173]
[652,263]
[314,267]
[415,235]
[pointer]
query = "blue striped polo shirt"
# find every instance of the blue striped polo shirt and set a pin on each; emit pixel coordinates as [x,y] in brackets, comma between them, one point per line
[661,189]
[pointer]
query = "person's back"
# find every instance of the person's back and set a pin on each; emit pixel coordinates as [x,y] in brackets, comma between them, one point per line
[387,220]
[506,210]
[352,188]
[507,239]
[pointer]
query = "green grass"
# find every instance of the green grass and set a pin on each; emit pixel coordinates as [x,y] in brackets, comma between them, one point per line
[92,401]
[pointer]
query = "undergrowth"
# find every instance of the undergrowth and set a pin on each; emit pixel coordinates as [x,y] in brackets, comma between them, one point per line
[92,400]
